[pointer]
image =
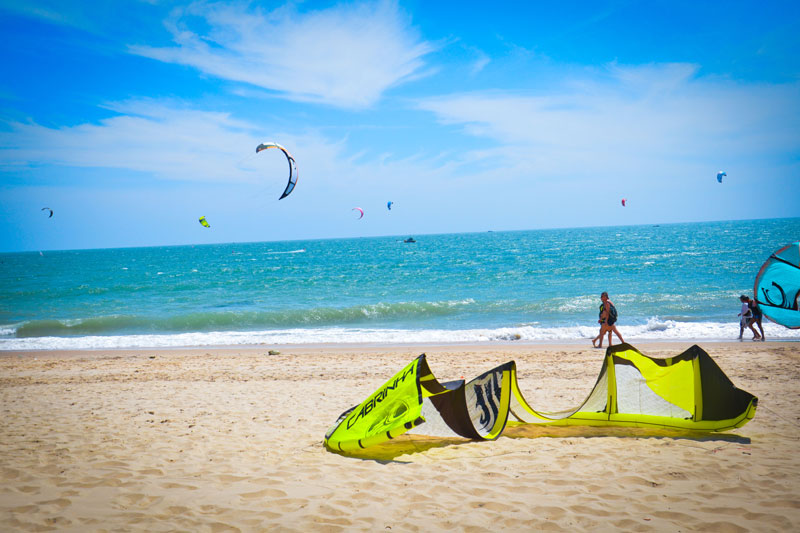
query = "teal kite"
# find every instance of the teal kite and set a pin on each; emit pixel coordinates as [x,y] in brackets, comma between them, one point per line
[777,286]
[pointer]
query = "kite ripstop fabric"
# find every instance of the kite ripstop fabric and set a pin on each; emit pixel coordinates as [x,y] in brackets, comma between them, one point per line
[688,391]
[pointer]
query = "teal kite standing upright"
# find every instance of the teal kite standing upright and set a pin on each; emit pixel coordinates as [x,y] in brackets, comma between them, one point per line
[777,286]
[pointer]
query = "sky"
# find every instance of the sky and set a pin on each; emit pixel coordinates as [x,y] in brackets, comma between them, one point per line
[132,119]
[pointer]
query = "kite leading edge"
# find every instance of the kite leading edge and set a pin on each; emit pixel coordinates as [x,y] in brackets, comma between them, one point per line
[292,166]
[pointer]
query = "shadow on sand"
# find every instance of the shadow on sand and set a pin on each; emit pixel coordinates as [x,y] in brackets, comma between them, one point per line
[410,444]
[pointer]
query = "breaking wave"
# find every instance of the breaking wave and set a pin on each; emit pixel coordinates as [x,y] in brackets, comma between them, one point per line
[653,330]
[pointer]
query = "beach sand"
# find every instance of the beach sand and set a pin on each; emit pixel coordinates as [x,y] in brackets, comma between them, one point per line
[231,440]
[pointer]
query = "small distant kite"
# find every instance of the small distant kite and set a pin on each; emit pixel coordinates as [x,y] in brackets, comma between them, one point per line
[360,211]
[292,166]
[389,205]
[777,286]
[720,174]
[204,222]
[624,201]
[48,209]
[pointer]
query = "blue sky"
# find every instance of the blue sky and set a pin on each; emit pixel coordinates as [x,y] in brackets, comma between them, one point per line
[132,119]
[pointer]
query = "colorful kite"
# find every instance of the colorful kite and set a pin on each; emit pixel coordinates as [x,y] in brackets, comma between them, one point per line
[688,391]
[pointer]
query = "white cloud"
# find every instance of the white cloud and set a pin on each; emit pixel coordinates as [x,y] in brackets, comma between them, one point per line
[623,119]
[345,56]
[167,141]
[159,138]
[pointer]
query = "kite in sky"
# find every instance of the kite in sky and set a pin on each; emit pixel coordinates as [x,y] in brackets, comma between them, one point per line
[720,174]
[389,206]
[204,222]
[624,201]
[48,209]
[360,211]
[292,166]
[777,286]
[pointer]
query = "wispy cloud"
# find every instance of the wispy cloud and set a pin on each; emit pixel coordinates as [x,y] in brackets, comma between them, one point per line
[345,56]
[623,118]
[480,63]
[163,139]
[168,140]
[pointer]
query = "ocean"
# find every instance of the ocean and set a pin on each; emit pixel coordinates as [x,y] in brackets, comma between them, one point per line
[668,281]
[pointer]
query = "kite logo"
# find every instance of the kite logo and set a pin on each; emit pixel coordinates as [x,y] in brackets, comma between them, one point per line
[487,395]
[785,304]
[389,415]
[371,403]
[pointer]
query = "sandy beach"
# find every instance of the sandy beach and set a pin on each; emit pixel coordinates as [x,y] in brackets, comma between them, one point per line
[231,440]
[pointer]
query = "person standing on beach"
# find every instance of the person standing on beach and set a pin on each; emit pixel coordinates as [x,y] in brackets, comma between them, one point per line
[745,318]
[608,320]
[757,316]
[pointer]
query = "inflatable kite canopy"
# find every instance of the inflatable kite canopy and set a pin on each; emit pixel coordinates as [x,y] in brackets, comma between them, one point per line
[292,166]
[688,391]
[777,286]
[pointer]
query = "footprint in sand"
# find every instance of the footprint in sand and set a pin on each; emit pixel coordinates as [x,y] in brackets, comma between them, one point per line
[56,505]
[171,485]
[264,493]
[227,478]
[139,501]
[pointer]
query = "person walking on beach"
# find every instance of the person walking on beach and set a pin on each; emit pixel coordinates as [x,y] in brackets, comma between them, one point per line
[608,321]
[601,319]
[758,316]
[745,318]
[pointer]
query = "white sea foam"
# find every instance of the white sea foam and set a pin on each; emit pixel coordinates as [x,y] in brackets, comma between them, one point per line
[300,251]
[653,330]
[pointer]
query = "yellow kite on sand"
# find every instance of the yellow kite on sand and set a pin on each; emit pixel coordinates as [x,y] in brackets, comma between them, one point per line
[688,391]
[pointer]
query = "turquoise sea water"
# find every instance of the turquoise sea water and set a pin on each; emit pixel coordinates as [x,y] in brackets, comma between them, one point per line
[675,281]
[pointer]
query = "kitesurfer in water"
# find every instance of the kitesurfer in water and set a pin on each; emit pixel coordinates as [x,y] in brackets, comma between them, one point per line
[608,320]
[745,318]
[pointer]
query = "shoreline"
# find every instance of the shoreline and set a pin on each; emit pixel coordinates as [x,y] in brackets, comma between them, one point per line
[394,347]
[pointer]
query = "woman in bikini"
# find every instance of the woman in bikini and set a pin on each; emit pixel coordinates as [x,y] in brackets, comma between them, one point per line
[608,320]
